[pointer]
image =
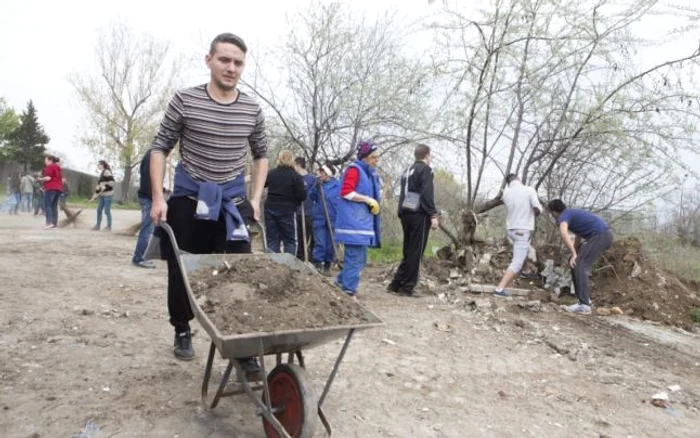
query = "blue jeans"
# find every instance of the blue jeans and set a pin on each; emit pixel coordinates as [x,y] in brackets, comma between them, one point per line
[27,201]
[105,203]
[51,206]
[145,231]
[353,264]
[281,228]
[323,247]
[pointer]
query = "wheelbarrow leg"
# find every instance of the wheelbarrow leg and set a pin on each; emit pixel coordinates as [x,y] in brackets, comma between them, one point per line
[207,378]
[266,388]
[327,388]
[324,421]
[300,356]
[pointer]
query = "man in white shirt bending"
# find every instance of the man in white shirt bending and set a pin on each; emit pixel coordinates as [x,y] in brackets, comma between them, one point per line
[522,205]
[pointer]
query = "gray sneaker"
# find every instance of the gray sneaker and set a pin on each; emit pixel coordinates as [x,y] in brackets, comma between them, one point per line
[144,264]
[183,346]
[578,308]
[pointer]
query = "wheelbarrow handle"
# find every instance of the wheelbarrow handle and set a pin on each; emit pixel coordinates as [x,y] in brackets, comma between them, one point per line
[171,235]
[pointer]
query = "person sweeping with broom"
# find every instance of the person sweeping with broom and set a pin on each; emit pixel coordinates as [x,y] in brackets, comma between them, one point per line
[53,184]
[104,191]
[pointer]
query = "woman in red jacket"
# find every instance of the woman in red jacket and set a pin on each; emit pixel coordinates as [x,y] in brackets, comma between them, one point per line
[53,185]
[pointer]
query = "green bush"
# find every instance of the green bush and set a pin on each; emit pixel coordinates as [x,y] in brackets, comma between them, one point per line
[695,315]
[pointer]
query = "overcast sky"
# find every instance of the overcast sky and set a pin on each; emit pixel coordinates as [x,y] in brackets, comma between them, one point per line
[43,41]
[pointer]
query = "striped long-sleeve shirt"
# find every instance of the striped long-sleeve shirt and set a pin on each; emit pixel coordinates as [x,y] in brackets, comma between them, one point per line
[105,184]
[212,136]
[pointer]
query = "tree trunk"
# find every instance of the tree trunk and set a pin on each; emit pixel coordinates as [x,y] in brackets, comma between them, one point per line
[126,184]
[467,250]
[466,233]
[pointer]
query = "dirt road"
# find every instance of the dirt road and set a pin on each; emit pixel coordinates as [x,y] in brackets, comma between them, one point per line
[84,336]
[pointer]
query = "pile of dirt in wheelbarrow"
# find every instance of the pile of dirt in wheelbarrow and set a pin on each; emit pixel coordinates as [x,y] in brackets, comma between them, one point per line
[625,277]
[258,295]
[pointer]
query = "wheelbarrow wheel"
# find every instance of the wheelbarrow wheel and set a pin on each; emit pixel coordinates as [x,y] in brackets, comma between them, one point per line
[294,401]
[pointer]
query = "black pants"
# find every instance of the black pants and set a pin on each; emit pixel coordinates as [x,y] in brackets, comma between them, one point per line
[195,236]
[416,228]
[587,255]
[302,247]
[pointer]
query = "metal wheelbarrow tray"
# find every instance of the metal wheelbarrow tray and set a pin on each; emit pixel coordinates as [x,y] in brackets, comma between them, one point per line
[288,403]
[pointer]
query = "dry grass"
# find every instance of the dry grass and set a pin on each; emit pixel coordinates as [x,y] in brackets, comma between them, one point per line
[682,261]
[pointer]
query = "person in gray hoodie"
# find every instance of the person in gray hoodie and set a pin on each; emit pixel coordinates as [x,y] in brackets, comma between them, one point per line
[27,190]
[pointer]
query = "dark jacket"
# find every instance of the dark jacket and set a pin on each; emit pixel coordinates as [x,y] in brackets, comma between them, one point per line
[285,189]
[145,176]
[15,184]
[420,180]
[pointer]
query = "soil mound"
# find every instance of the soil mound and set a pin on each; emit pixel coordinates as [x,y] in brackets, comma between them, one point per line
[624,277]
[627,278]
[256,294]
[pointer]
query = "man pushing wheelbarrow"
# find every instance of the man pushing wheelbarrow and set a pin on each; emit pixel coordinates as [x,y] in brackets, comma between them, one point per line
[208,210]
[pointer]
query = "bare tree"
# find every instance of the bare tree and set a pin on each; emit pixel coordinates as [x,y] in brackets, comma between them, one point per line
[551,90]
[125,96]
[686,217]
[343,78]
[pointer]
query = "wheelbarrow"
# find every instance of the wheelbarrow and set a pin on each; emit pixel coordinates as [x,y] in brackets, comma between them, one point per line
[285,398]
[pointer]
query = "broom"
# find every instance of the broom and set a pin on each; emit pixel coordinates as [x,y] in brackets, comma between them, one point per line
[131,231]
[71,216]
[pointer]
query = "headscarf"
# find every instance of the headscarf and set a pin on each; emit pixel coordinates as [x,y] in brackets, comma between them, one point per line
[365,148]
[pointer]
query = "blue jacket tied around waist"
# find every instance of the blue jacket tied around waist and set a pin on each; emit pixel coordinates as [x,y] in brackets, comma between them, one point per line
[355,224]
[211,198]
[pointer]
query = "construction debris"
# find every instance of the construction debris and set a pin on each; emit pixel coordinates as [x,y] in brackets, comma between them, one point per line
[489,288]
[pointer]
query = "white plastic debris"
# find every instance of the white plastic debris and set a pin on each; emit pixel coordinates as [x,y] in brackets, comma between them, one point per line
[636,270]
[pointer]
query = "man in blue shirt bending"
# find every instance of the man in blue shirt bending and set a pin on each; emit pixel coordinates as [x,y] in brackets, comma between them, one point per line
[593,238]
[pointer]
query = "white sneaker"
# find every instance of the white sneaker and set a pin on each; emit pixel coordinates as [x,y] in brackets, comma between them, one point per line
[578,308]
